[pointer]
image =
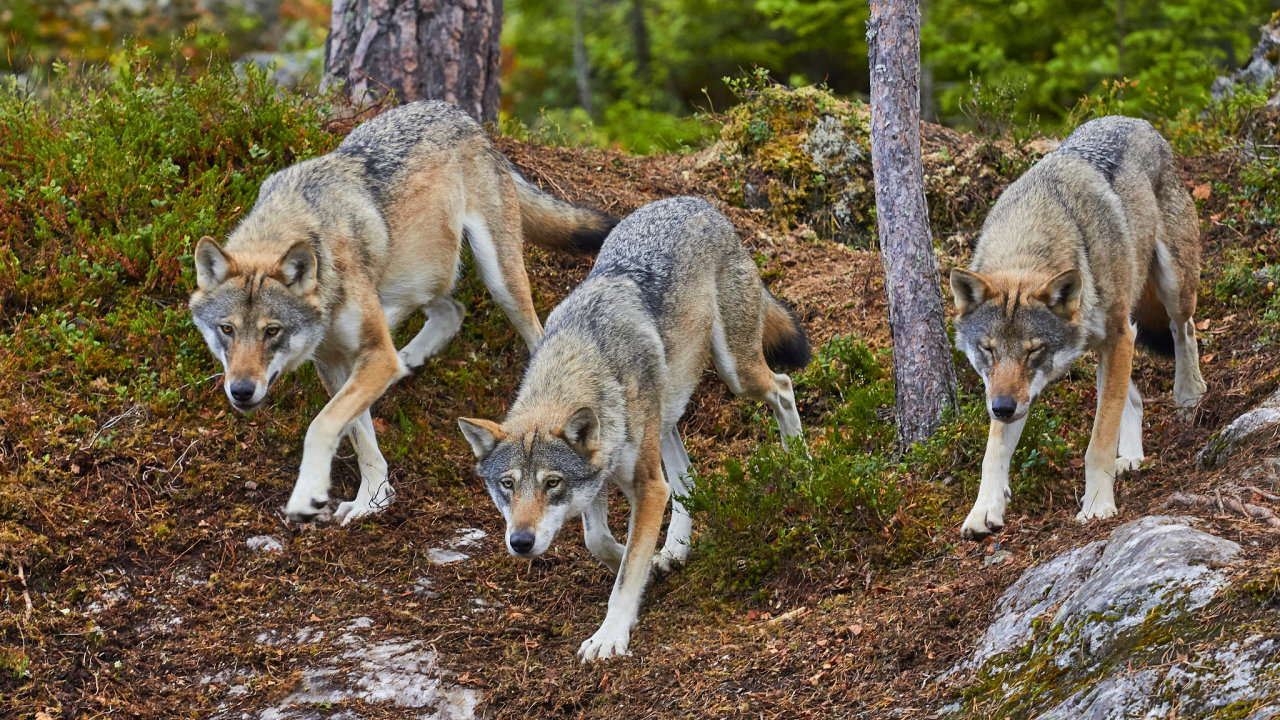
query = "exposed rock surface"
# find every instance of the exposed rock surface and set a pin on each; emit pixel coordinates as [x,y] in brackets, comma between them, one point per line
[1258,420]
[1262,68]
[1091,633]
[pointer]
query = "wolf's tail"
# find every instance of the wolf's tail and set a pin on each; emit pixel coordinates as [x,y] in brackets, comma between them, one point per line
[556,224]
[785,345]
[1152,320]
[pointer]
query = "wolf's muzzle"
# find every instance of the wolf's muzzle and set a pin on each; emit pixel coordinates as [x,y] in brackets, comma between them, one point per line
[521,541]
[1003,407]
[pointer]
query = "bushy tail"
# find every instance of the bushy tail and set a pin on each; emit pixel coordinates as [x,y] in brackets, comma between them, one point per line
[785,345]
[1152,319]
[556,224]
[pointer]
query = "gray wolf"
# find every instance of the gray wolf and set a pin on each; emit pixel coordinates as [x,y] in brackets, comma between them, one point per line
[1096,244]
[604,389]
[342,248]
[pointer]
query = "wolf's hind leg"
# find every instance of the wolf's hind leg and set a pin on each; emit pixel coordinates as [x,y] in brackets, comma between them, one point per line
[675,460]
[743,368]
[1130,444]
[987,515]
[1177,280]
[444,319]
[596,533]
[375,492]
[498,250]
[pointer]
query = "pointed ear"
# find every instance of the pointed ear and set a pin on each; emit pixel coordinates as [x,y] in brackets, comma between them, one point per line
[213,266]
[582,431]
[484,435]
[969,288]
[1062,293]
[297,268]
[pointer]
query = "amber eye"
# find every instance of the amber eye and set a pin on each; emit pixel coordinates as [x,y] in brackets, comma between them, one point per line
[1034,350]
[552,482]
[506,484]
[226,329]
[273,331]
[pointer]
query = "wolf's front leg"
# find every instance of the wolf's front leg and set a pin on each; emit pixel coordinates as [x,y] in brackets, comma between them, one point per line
[595,530]
[375,492]
[1115,365]
[375,369]
[987,515]
[646,523]
[675,461]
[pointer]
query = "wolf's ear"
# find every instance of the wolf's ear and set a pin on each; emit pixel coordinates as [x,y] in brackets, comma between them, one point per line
[969,288]
[297,268]
[1062,293]
[484,435]
[213,266]
[582,431]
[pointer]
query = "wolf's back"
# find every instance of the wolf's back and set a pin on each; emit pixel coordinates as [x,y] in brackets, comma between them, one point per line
[1117,145]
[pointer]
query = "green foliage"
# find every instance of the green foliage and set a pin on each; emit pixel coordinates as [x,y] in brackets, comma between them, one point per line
[634,129]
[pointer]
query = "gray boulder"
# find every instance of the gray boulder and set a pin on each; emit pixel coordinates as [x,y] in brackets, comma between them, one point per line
[1090,633]
[1249,425]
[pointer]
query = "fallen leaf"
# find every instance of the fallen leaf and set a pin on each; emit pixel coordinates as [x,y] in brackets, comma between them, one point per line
[1202,192]
[1202,325]
[381,425]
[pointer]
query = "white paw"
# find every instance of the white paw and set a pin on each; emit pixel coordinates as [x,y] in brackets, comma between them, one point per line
[607,642]
[664,561]
[983,520]
[1101,510]
[355,509]
[411,360]
[304,509]
[1127,464]
[1188,397]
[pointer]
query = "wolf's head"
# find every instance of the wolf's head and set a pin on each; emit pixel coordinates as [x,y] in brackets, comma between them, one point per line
[259,315]
[540,477]
[1019,332]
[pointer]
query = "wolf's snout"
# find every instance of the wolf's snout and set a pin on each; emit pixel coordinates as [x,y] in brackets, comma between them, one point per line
[521,541]
[242,391]
[1003,407]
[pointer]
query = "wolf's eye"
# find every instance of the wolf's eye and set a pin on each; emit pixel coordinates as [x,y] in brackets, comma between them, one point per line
[273,331]
[226,329]
[506,484]
[552,482]
[1034,351]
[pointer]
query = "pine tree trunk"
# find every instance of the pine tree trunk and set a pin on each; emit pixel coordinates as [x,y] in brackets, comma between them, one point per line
[418,49]
[581,67]
[924,376]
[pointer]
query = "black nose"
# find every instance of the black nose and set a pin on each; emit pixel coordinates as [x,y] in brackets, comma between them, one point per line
[521,541]
[1003,406]
[242,390]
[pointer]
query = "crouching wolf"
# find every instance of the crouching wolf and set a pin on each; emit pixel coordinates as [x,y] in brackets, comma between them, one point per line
[604,389]
[1101,232]
[340,249]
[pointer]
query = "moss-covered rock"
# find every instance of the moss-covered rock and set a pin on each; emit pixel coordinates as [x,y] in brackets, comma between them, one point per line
[1090,633]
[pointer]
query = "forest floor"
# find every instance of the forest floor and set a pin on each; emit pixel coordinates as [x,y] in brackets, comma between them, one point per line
[153,603]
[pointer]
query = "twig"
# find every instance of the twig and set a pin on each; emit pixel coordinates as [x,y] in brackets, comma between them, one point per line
[1223,504]
[26,596]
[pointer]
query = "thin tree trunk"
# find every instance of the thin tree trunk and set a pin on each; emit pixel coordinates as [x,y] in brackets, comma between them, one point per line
[1121,33]
[924,376]
[640,38]
[418,49]
[581,68]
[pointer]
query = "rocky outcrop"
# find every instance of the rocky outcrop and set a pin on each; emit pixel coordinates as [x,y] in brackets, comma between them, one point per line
[1113,629]
[1249,425]
[1263,66]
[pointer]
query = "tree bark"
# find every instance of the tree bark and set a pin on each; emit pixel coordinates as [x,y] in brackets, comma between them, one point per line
[640,38]
[924,376]
[581,67]
[418,49]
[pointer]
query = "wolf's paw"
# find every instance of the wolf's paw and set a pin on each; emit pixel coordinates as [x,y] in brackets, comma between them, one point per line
[1124,464]
[305,510]
[664,561]
[1100,510]
[1188,395]
[982,521]
[607,642]
[412,360]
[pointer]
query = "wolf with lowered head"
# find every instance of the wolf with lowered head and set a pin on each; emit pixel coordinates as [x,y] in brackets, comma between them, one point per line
[340,249]
[603,392]
[1096,246]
